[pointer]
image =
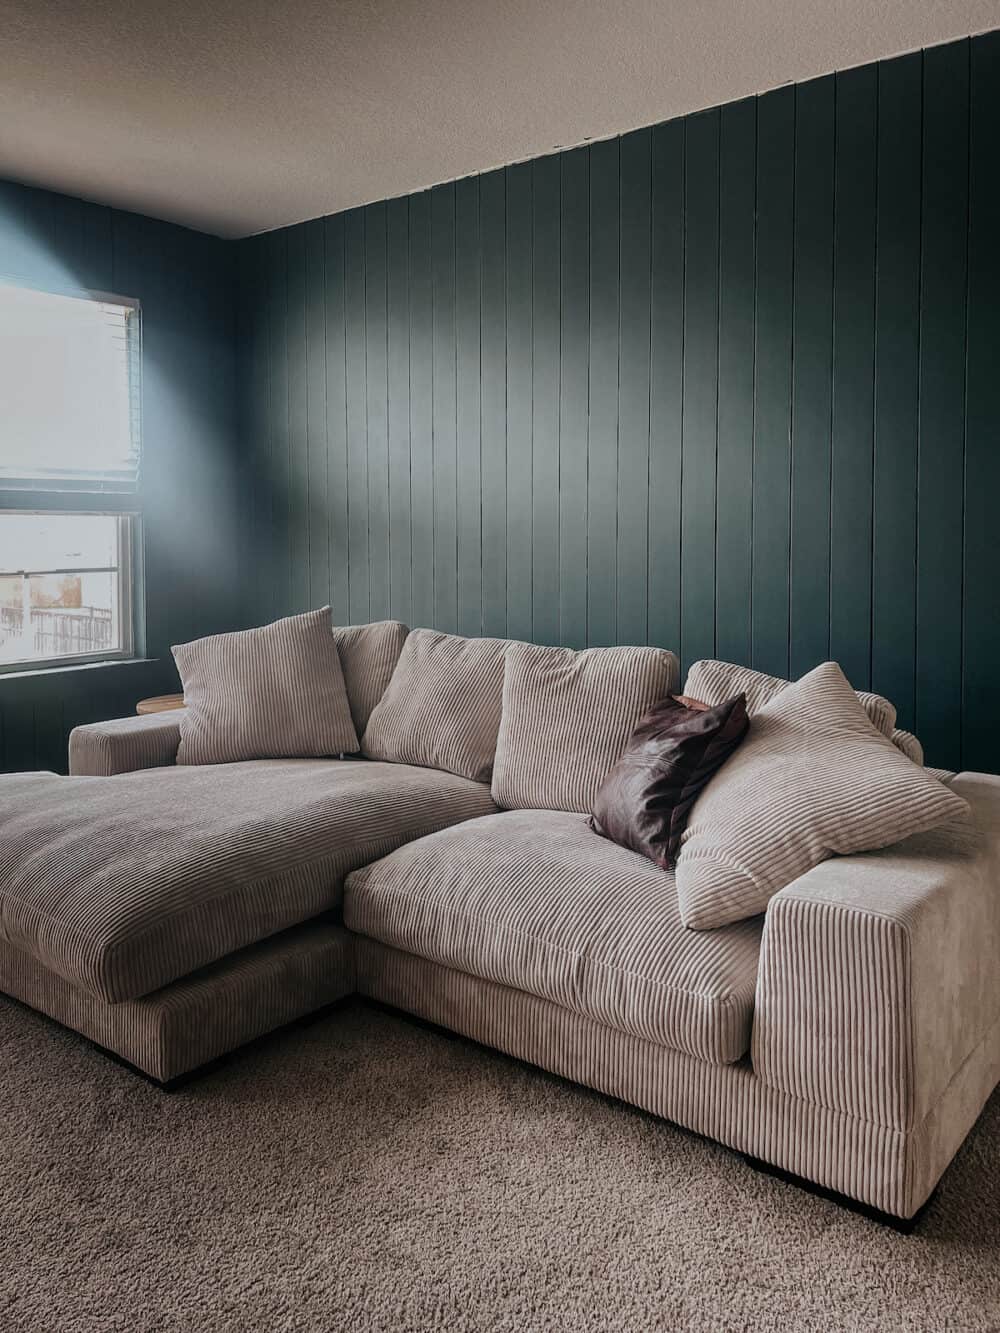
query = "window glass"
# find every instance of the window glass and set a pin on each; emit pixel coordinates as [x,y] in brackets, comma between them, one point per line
[63,585]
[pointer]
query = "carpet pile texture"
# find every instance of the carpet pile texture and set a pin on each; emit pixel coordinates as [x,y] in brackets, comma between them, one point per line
[367,1173]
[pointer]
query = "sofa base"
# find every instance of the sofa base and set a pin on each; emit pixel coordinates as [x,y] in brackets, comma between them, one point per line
[889,1170]
[904,1225]
[196,1020]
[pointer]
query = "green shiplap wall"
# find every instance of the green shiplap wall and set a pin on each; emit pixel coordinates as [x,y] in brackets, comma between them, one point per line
[189,494]
[729,385]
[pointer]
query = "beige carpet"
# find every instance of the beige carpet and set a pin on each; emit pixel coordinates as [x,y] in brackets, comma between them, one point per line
[366,1173]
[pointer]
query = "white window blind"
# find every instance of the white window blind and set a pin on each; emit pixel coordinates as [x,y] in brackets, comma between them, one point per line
[69,391]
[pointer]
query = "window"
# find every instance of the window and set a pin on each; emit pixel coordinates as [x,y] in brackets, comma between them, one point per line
[69,427]
[69,388]
[64,587]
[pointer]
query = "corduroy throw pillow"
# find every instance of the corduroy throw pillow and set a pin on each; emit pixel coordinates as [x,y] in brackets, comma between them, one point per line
[271,693]
[813,778]
[644,801]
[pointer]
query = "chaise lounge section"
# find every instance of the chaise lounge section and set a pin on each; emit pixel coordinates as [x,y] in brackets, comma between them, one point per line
[848,1035]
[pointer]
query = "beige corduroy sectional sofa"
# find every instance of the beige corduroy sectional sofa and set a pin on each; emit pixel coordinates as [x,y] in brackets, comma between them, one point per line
[849,1036]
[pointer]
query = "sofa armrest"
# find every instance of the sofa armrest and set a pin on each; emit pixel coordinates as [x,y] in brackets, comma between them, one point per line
[880,973]
[124,745]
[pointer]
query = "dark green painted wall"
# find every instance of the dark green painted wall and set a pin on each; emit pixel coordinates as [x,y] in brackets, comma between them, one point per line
[188,497]
[730,385]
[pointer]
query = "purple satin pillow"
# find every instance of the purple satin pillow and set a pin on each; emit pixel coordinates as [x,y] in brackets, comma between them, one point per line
[643,803]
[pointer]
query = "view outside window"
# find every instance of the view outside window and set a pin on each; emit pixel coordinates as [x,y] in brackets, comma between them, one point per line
[61,586]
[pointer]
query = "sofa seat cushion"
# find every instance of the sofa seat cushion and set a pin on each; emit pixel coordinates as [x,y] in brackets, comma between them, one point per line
[123,884]
[535,900]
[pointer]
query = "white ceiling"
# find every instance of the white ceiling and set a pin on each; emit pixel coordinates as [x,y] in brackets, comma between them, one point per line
[237,116]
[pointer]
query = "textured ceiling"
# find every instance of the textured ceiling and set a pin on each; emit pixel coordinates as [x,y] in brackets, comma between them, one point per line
[238,116]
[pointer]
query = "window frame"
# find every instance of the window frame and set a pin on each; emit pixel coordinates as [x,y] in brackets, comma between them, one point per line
[83,496]
[127,568]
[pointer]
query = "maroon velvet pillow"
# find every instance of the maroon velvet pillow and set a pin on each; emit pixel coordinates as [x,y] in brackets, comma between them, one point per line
[644,801]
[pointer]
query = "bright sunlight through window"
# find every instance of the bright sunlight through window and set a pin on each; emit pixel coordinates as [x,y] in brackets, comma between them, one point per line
[69,422]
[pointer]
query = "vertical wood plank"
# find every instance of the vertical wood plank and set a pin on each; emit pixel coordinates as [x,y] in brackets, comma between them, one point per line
[602,493]
[298,455]
[545,348]
[666,386]
[812,374]
[700,388]
[981,657]
[336,418]
[897,323]
[444,409]
[942,402]
[772,390]
[574,393]
[317,518]
[359,576]
[633,393]
[246,304]
[734,485]
[492,212]
[853,376]
[376,411]
[277,246]
[261,525]
[519,443]
[468,278]
[398,372]
[421,414]
[359,582]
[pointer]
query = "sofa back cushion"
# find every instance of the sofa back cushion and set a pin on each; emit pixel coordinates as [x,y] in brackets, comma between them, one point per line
[813,778]
[713,682]
[271,693]
[567,718]
[368,656]
[441,708]
[908,743]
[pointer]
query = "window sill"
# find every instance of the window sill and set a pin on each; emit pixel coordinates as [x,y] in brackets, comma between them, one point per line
[34,673]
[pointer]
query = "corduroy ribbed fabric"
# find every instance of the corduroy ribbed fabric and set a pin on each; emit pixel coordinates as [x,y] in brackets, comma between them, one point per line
[534,899]
[271,693]
[713,682]
[442,706]
[202,1016]
[368,656]
[567,718]
[908,743]
[124,745]
[812,778]
[878,973]
[123,884]
[890,1169]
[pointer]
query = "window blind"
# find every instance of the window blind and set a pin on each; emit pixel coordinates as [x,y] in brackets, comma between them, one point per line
[69,391]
